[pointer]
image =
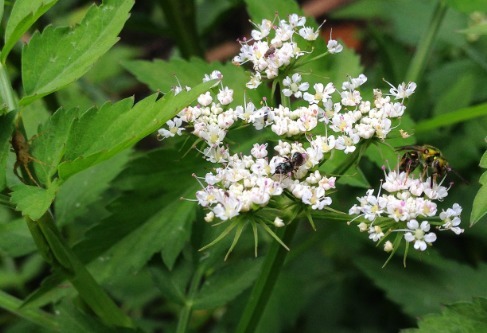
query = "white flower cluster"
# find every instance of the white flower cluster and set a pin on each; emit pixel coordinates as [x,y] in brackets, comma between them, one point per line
[409,200]
[273,47]
[248,182]
[351,119]
[328,117]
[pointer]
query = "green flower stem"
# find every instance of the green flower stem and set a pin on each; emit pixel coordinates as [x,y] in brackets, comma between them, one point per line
[185,314]
[424,48]
[35,316]
[6,91]
[180,16]
[267,280]
[53,248]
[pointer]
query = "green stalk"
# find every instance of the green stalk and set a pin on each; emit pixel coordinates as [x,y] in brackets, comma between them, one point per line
[424,48]
[53,248]
[267,280]
[185,314]
[38,317]
[6,91]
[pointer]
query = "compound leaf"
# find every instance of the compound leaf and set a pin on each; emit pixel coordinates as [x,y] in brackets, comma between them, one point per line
[101,133]
[58,56]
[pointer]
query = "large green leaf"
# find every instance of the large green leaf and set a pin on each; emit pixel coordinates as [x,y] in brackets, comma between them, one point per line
[24,14]
[100,134]
[167,231]
[463,317]
[144,216]
[479,208]
[58,56]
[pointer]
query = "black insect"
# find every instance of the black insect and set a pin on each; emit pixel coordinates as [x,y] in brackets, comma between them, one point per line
[290,164]
[270,52]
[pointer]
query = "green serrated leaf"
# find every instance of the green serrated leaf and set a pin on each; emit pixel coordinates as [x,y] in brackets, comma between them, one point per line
[77,195]
[226,284]
[58,56]
[6,128]
[48,147]
[24,14]
[33,201]
[462,317]
[100,134]
[167,231]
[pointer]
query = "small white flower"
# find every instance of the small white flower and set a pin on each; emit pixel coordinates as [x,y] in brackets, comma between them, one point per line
[418,234]
[255,81]
[213,76]
[263,30]
[309,34]
[209,217]
[296,21]
[375,233]
[294,86]
[403,90]
[322,93]
[388,247]
[278,222]
[225,96]
[259,150]
[452,220]
[205,99]
[227,209]
[174,129]
[354,82]
[334,47]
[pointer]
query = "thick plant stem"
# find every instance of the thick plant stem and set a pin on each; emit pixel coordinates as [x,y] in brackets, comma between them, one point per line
[424,48]
[266,281]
